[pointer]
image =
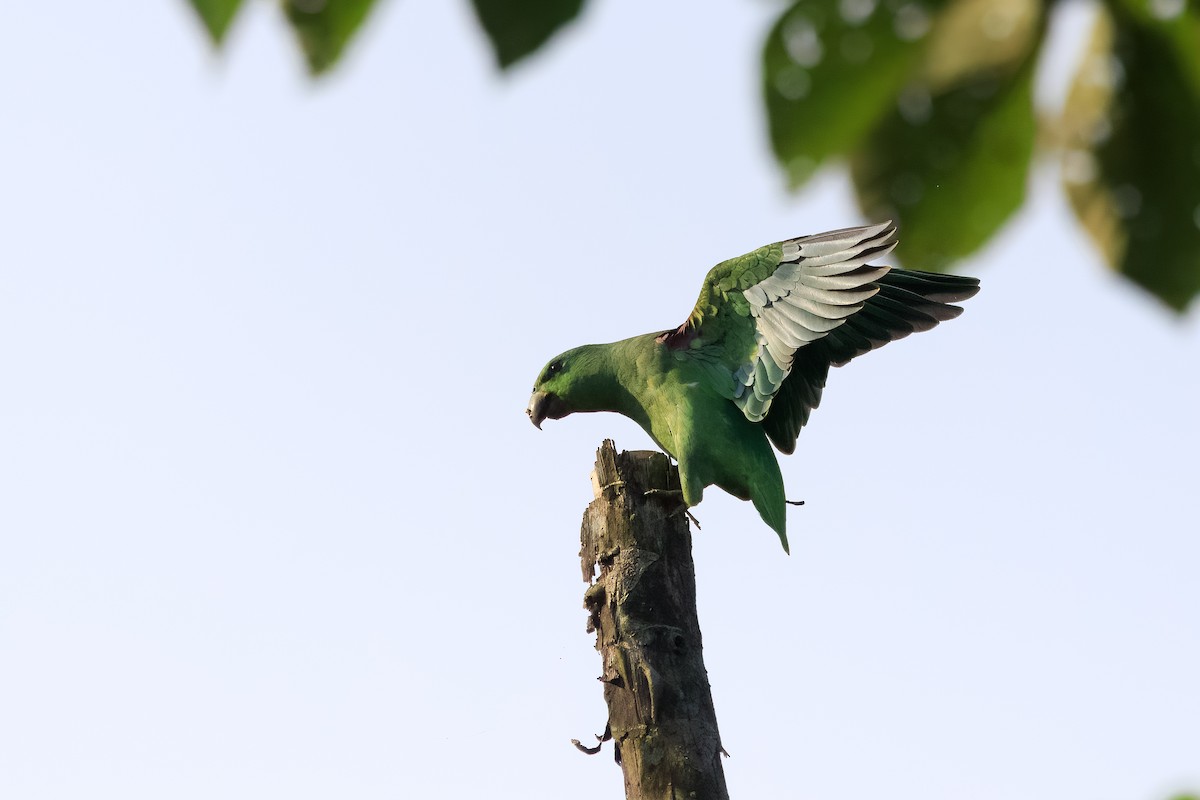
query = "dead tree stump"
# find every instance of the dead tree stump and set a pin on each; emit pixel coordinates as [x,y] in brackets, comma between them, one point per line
[642,608]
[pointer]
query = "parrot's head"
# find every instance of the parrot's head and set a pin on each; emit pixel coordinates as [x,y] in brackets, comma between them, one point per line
[570,382]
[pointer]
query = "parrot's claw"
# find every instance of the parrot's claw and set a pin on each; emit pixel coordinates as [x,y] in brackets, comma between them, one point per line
[794,502]
[683,506]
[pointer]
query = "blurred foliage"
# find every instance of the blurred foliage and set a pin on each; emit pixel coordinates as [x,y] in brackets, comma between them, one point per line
[216,16]
[518,27]
[950,156]
[930,104]
[947,153]
[324,26]
[515,28]
[818,100]
[1131,163]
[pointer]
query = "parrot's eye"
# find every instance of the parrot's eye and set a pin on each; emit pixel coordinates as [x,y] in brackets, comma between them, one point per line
[554,367]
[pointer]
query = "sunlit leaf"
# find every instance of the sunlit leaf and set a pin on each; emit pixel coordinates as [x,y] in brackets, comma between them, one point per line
[831,69]
[1131,166]
[517,28]
[216,16]
[324,26]
[950,160]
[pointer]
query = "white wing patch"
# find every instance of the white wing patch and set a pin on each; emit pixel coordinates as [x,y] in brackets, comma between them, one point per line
[820,281]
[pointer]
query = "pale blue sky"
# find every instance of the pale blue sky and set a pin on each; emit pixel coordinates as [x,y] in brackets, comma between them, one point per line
[274,524]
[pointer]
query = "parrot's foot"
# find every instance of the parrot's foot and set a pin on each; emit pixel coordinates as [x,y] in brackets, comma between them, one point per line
[794,502]
[683,506]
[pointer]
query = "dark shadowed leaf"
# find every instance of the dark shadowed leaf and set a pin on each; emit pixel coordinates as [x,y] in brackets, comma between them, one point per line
[950,160]
[324,26]
[831,69]
[216,16]
[1131,166]
[519,27]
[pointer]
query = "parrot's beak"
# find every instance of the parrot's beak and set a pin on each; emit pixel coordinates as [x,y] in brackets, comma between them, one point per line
[543,406]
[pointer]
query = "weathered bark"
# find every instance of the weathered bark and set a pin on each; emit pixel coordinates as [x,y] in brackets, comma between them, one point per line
[643,610]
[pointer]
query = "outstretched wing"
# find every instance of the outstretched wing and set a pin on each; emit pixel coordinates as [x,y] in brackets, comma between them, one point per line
[907,301]
[773,321]
[758,310]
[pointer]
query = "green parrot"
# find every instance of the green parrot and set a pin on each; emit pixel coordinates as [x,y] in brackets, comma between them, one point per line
[747,367]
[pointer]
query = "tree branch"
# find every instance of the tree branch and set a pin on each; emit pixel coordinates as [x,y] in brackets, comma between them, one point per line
[642,608]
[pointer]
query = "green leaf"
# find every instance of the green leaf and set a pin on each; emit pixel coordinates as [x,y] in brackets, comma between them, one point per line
[951,159]
[1131,165]
[216,16]
[831,69]
[519,27]
[324,26]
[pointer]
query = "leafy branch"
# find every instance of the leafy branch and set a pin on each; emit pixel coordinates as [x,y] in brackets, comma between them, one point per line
[930,105]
